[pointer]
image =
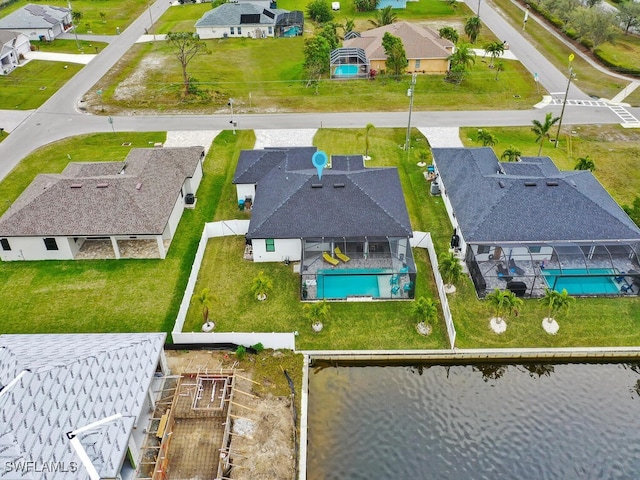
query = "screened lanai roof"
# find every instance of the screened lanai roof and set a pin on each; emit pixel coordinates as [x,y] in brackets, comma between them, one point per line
[350,55]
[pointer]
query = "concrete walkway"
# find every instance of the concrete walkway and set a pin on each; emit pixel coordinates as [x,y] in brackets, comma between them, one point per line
[146,38]
[506,55]
[442,137]
[82,58]
[625,92]
[89,37]
[191,138]
[284,138]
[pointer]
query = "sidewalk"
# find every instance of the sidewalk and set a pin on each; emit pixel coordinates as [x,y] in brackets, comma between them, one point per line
[82,58]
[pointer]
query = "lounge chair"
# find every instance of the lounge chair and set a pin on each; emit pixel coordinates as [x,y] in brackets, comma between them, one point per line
[329,259]
[393,280]
[515,268]
[395,290]
[341,255]
[503,273]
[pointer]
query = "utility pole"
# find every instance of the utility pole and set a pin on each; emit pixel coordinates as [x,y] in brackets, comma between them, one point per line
[407,143]
[564,103]
[75,31]
[478,8]
[151,18]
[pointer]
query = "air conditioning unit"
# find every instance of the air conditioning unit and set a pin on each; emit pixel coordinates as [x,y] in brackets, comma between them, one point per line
[189,199]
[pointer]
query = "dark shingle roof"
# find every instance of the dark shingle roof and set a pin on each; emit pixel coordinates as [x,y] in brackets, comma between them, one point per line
[531,202]
[95,199]
[231,14]
[34,16]
[353,201]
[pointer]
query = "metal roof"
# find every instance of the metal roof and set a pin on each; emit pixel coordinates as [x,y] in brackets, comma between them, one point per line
[52,384]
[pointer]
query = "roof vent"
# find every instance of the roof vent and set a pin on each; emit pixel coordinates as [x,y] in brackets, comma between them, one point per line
[102,185]
[552,183]
[76,185]
[139,186]
[338,185]
[501,183]
[316,185]
[530,184]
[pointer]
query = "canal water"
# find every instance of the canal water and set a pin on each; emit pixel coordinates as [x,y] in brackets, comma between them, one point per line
[566,421]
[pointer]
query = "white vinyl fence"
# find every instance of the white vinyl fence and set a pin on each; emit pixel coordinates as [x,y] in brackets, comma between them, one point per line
[268,340]
[423,240]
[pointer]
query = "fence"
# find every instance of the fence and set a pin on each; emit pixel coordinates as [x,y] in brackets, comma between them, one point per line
[267,339]
[423,240]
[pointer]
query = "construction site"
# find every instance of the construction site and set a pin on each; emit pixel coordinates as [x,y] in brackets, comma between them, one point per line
[208,424]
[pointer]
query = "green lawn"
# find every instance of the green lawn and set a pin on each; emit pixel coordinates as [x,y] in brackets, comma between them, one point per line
[267,76]
[181,18]
[31,85]
[624,52]
[69,46]
[120,13]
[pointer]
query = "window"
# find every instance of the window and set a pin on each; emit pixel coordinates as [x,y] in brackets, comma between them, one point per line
[50,244]
[270,30]
[270,244]
[5,244]
[483,249]
[417,63]
[534,249]
[239,30]
[231,30]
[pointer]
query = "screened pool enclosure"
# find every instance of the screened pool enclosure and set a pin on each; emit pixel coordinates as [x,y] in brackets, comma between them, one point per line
[583,269]
[357,269]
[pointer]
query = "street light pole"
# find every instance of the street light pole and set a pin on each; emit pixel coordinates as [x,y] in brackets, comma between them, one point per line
[478,8]
[564,103]
[407,143]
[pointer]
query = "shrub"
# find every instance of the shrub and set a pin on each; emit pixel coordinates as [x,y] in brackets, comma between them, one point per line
[241,352]
[258,347]
[319,11]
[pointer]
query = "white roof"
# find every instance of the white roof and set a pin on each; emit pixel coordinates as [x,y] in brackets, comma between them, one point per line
[64,382]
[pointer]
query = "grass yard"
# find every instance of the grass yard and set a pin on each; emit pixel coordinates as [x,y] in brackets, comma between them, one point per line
[589,79]
[119,13]
[105,295]
[69,46]
[31,85]
[624,52]
[181,18]
[267,76]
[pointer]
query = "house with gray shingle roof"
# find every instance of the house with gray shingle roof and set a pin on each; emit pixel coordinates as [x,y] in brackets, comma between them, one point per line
[13,46]
[425,50]
[244,19]
[38,22]
[53,385]
[298,216]
[530,223]
[140,199]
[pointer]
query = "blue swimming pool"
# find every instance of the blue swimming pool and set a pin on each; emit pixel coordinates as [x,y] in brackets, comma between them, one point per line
[292,32]
[346,71]
[579,281]
[393,3]
[340,284]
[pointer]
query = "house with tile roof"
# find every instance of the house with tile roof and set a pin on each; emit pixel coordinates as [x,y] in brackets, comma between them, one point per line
[245,19]
[139,200]
[425,50]
[531,223]
[351,210]
[72,402]
[38,22]
[13,46]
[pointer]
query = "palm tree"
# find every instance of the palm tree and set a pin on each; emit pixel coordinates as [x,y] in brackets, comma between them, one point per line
[449,33]
[512,302]
[384,16]
[426,310]
[316,312]
[499,68]
[585,163]
[542,129]
[472,28]
[349,25]
[556,302]
[497,300]
[261,285]
[511,154]
[367,130]
[450,269]
[487,139]
[205,300]
[463,55]
[495,49]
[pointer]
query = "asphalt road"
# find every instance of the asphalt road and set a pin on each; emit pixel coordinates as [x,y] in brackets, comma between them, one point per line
[59,118]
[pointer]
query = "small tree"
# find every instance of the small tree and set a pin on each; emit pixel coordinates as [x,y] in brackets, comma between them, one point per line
[498,302]
[450,269]
[261,285]
[556,302]
[316,312]
[629,15]
[495,49]
[633,210]
[367,130]
[396,57]
[585,163]
[185,46]
[365,5]
[499,66]
[76,16]
[541,129]
[511,154]
[319,11]
[205,300]
[449,33]
[472,28]
[316,59]
[349,25]
[427,311]
[486,138]
[103,16]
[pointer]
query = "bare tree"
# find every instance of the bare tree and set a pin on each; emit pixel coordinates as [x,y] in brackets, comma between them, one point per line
[185,46]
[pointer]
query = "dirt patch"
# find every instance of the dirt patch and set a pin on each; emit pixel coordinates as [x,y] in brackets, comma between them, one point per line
[262,441]
[607,133]
[133,86]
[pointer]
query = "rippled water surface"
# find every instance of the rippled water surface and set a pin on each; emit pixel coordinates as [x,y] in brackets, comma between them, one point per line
[475,422]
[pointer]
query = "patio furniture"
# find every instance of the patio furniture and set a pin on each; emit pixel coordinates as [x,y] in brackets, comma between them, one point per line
[407,286]
[341,255]
[626,288]
[395,289]
[503,273]
[515,268]
[518,288]
[393,280]
[329,259]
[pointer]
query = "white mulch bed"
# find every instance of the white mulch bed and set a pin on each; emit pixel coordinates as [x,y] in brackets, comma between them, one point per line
[498,325]
[550,325]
